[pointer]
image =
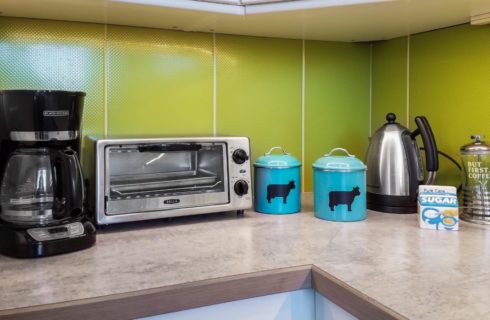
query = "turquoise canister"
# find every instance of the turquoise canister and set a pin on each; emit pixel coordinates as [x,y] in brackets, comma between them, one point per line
[339,187]
[277,183]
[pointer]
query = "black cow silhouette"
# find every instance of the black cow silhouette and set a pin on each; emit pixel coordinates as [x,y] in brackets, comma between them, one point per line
[342,197]
[279,190]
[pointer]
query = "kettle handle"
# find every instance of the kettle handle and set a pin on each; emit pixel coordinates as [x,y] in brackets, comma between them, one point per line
[338,149]
[430,147]
[273,148]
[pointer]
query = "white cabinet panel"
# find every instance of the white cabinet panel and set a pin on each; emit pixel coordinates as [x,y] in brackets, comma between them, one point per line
[333,20]
[303,304]
[292,305]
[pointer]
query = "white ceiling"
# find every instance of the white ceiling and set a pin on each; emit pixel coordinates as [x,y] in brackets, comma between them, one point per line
[336,20]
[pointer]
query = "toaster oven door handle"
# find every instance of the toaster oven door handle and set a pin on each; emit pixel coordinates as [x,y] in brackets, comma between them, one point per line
[170,147]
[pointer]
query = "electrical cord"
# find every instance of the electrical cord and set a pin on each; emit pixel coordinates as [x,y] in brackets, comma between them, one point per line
[450,159]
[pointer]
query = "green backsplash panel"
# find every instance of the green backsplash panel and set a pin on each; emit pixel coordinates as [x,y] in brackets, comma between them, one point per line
[258,88]
[450,85]
[54,55]
[389,81]
[336,100]
[159,82]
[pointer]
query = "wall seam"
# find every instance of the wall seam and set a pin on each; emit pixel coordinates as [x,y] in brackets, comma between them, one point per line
[214,85]
[370,87]
[303,79]
[106,104]
[408,82]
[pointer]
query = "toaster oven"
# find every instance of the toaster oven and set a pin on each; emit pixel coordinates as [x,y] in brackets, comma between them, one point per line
[151,178]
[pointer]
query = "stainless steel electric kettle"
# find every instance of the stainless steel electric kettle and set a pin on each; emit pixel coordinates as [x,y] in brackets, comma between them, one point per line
[394,167]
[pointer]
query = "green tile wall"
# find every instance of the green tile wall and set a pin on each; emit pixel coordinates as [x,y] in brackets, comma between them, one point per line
[162,82]
[159,82]
[389,81]
[337,81]
[259,91]
[53,55]
[449,83]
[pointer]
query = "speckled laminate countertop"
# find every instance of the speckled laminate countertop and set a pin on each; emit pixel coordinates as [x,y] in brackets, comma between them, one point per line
[421,274]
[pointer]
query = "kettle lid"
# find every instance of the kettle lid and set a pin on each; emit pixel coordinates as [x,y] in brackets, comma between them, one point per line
[477,147]
[391,125]
[390,121]
[391,117]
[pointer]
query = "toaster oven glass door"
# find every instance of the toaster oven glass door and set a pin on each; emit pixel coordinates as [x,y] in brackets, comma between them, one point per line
[151,177]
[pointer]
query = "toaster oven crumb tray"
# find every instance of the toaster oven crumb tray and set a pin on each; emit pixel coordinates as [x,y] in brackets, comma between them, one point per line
[156,182]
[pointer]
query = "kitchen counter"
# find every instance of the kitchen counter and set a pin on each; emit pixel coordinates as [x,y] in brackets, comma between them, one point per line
[420,274]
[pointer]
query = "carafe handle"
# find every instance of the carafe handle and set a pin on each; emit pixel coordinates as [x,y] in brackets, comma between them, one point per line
[68,182]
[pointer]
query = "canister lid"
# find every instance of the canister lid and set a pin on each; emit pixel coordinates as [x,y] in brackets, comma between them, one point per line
[475,148]
[329,162]
[284,160]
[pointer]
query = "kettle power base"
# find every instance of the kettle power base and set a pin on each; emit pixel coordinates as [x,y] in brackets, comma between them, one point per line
[391,204]
[18,243]
[388,209]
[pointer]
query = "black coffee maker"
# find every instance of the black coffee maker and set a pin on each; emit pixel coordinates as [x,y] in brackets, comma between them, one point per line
[42,192]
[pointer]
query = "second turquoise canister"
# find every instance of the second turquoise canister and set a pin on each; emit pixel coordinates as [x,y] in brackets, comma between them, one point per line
[277,183]
[339,187]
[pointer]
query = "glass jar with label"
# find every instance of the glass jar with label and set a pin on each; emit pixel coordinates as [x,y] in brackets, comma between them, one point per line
[475,157]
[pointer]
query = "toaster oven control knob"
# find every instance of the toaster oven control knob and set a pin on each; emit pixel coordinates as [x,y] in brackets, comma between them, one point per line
[241,187]
[239,156]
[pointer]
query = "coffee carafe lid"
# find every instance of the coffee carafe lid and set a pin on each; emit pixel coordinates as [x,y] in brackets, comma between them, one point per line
[477,147]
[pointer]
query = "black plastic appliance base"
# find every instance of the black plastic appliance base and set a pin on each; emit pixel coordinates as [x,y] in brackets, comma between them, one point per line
[17,243]
[388,209]
[391,204]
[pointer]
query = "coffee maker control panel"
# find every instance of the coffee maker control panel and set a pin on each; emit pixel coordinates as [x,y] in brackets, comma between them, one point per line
[70,230]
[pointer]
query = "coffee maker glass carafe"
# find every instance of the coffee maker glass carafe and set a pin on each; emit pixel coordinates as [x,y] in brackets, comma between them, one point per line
[27,188]
[41,186]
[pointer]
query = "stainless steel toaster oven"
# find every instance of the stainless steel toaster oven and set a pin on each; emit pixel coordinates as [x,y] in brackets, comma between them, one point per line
[150,178]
